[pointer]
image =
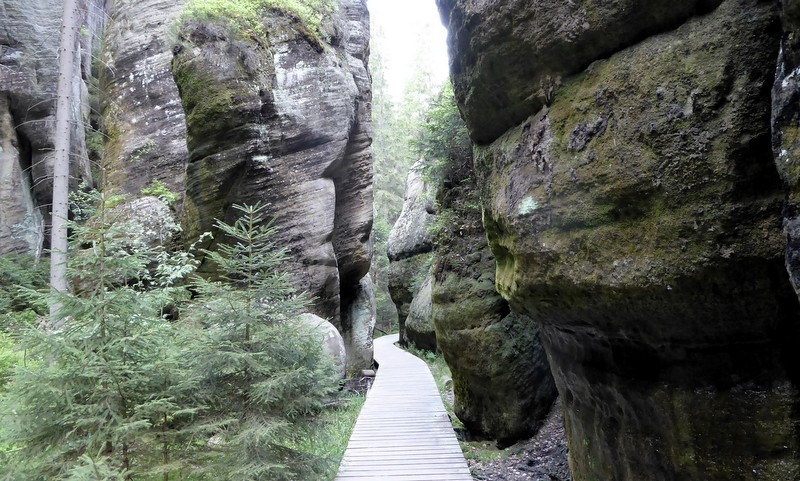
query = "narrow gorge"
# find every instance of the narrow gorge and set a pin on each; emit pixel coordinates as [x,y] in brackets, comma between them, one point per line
[619,228]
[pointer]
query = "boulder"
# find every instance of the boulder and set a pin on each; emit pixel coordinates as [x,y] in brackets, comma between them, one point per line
[283,119]
[148,220]
[332,342]
[637,218]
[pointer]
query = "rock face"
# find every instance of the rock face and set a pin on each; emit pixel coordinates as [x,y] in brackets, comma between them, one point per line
[409,249]
[285,120]
[142,115]
[501,378]
[21,229]
[419,327]
[786,134]
[359,320]
[28,76]
[637,217]
[498,91]
[282,118]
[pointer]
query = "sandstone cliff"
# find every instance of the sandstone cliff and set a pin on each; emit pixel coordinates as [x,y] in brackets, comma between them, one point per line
[501,378]
[282,118]
[410,249]
[28,77]
[634,208]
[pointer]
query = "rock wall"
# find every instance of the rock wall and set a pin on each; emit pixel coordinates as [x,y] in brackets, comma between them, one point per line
[28,77]
[410,255]
[142,117]
[501,378]
[635,211]
[283,118]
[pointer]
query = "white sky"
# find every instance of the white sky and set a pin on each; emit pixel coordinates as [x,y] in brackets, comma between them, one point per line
[410,28]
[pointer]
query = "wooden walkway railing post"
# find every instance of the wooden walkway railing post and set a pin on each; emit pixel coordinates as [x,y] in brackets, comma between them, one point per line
[403,432]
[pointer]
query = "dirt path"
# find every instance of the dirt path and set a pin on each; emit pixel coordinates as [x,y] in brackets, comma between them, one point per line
[542,458]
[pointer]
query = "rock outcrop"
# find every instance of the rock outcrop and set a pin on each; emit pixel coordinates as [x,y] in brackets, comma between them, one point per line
[501,378]
[28,76]
[360,318]
[786,132]
[280,117]
[21,229]
[418,326]
[410,254]
[283,118]
[635,212]
[142,116]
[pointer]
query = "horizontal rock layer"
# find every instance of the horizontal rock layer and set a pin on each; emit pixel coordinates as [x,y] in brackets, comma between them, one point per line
[635,213]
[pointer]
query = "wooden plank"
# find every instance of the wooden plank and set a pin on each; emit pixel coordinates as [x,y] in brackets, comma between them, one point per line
[403,432]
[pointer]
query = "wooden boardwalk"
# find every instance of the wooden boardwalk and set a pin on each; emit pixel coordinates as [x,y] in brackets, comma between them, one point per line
[403,432]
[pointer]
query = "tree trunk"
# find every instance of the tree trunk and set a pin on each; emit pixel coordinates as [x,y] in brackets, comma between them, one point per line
[67,52]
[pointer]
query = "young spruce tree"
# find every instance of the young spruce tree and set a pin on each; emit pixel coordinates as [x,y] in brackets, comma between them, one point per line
[100,398]
[264,373]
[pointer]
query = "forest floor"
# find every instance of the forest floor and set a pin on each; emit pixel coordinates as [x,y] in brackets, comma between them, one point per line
[541,458]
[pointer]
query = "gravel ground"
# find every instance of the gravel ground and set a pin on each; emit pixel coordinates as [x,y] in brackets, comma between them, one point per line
[541,458]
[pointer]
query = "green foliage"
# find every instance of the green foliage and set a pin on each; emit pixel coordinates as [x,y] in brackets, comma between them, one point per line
[122,391]
[101,397]
[9,358]
[444,140]
[159,189]
[264,372]
[332,432]
[244,16]
[395,124]
[19,274]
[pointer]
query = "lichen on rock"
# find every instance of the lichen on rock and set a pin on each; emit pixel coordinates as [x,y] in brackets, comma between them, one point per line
[635,212]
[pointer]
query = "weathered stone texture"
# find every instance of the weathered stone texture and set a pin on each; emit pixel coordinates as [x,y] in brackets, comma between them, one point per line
[332,343]
[359,319]
[418,327]
[21,229]
[142,114]
[786,132]
[501,377]
[510,55]
[284,120]
[638,219]
[28,75]
[409,249]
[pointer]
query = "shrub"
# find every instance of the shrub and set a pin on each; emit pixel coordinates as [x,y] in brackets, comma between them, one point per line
[121,391]
[244,16]
[102,396]
[159,189]
[18,274]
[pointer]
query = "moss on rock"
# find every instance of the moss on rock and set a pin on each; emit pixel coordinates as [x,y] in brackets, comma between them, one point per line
[638,218]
